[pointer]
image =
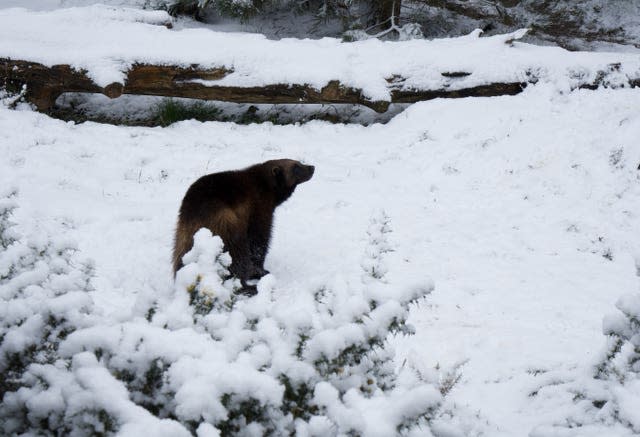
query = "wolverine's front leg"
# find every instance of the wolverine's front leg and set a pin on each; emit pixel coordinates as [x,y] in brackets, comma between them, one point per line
[241,265]
[258,254]
[259,238]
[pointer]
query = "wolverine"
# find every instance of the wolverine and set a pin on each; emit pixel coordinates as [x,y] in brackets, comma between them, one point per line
[238,206]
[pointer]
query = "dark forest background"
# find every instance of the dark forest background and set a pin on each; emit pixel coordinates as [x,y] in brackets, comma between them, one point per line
[575,25]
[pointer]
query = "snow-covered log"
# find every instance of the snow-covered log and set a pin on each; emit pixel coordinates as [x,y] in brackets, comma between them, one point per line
[45,84]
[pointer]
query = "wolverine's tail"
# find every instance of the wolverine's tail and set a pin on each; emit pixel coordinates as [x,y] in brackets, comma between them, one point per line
[182,244]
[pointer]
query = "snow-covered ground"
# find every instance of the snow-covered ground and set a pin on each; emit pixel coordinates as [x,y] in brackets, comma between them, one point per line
[524,211]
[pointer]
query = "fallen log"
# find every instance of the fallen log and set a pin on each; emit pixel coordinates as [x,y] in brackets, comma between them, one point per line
[44,85]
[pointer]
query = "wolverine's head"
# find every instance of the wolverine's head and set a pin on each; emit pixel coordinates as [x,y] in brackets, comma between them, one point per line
[286,174]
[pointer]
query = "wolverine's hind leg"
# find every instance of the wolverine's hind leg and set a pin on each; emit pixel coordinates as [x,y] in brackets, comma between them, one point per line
[233,229]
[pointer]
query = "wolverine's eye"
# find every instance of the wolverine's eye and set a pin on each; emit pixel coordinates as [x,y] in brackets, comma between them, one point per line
[297,169]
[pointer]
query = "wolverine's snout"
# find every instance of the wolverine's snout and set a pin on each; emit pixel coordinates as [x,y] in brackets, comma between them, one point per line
[307,173]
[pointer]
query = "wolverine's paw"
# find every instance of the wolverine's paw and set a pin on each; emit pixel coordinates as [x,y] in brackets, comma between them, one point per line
[258,272]
[248,290]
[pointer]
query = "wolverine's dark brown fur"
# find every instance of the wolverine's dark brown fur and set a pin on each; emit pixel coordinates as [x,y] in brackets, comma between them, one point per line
[238,206]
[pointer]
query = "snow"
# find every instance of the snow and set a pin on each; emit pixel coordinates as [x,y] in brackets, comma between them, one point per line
[516,216]
[107,40]
[522,209]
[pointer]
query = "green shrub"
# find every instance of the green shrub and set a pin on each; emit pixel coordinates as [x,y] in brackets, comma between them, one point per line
[171,111]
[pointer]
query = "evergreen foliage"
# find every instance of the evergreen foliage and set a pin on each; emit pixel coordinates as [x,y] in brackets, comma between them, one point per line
[44,298]
[204,360]
[606,397]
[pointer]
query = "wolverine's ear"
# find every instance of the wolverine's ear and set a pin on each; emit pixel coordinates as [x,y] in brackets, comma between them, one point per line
[276,170]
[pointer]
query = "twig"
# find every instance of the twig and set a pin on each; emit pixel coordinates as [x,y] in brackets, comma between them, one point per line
[393,23]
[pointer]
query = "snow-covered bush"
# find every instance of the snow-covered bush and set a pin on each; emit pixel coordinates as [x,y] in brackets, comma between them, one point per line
[607,396]
[622,360]
[205,360]
[377,246]
[206,275]
[43,298]
[618,394]
[258,366]
[13,99]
